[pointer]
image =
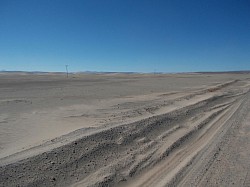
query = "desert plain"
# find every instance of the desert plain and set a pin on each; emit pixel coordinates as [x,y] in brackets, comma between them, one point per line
[125,129]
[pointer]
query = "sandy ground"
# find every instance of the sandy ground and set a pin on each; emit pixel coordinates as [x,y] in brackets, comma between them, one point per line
[124,129]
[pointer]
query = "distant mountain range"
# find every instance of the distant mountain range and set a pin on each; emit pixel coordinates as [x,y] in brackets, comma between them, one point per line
[240,72]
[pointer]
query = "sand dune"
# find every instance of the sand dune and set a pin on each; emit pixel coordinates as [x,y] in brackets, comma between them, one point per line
[125,130]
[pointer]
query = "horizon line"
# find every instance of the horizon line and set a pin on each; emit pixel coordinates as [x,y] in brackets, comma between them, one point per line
[126,72]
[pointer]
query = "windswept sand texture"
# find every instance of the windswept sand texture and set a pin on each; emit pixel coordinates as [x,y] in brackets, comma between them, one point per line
[125,129]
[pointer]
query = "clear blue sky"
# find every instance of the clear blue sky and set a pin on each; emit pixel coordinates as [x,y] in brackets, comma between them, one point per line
[125,35]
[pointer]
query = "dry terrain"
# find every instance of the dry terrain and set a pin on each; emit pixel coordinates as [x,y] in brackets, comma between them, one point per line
[125,129]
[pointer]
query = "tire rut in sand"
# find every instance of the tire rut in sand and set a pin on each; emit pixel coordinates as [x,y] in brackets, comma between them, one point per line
[225,147]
